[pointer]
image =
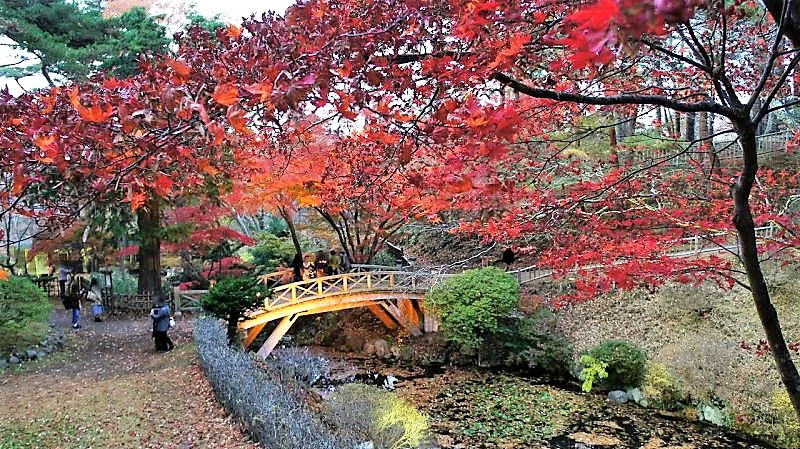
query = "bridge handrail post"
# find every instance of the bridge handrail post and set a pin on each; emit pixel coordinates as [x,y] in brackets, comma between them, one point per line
[319,286]
[344,282]
[391,280]
[294,294]
[369,280]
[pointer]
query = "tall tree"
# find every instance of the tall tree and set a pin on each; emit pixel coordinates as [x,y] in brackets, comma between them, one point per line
[74,40]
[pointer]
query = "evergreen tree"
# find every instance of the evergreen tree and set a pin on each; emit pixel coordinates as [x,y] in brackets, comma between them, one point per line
[74,40]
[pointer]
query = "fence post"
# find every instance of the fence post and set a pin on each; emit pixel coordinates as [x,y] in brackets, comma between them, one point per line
[176,296]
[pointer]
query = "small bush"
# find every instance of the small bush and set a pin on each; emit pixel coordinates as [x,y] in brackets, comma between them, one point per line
[470,305]
[269,409]
[627,364]
[23,314]
[231,297]
[661,389]
[593,371]
[536,343]
[367,413]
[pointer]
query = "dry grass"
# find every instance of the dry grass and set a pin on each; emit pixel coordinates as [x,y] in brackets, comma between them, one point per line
[697,334]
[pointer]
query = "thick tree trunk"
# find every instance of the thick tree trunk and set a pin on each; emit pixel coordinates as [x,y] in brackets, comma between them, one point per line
[149,221]
[743,219]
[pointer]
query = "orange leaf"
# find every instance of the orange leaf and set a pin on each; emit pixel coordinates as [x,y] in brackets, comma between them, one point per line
[234,32]
[94,113]
[236,118]
[264,89]
[137,200]
[181,69]
[226,94]
[207,168]
[3,275]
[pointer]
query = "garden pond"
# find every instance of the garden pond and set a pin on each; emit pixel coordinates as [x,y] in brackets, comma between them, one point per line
[474,408]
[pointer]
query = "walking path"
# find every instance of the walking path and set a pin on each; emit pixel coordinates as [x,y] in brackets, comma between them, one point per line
[110,389]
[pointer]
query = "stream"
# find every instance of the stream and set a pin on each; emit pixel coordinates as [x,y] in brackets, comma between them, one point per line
[475,408]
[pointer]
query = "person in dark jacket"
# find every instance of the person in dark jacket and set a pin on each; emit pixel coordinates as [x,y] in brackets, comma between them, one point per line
[160,315]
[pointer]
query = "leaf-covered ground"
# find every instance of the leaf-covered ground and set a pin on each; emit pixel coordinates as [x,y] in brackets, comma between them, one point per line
[110,389]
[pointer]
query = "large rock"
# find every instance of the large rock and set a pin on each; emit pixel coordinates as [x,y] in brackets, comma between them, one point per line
[617,397]
[382,348]
[31,354]
[13,360]
[353,343]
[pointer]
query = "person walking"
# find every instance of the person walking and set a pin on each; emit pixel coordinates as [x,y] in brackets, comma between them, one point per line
[161,317]
[96,297]
[72,302]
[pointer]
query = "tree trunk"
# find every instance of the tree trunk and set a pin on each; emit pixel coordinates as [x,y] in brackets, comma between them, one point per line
[292,230]
[743,219]
[676,131]
[659,120]
[149,221]
[688,134]
[233,326]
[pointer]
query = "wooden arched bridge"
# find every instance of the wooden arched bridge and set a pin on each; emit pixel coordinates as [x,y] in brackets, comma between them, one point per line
[393,296]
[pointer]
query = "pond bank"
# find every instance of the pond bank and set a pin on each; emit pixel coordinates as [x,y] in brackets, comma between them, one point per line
[473,408]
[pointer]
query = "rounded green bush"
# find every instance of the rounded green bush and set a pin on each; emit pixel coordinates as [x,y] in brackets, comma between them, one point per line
[471,304]
[627,363]
[23,314]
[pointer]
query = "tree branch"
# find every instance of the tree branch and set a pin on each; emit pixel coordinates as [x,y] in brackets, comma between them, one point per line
[656,100]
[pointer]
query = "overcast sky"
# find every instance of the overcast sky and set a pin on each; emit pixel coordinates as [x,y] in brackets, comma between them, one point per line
[228,10]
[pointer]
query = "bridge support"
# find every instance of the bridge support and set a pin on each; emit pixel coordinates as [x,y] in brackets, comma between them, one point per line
[276,335]
[383,316]
[401,318]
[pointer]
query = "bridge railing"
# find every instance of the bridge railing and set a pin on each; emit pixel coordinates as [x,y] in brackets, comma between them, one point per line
[725,149]
[371,281]
[687,247]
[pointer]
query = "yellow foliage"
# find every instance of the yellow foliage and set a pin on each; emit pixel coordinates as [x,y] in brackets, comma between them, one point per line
[660,387]
[396,412]
[786,424]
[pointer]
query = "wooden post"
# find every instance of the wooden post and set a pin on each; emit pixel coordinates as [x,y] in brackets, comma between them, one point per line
[176,294]
[252,333]
[401,318]
[277,334]
[383,316]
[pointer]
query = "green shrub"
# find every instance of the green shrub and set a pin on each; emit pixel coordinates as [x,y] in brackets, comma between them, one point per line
[124,283]
[367,413]
[231,297]
[538,344]
[471,304]
[661,388]
[23,314]
[627,364]
[272,251]
[384,257]
[593,370]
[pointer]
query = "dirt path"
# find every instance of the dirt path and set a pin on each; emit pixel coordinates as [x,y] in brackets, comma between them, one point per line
[110,389]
